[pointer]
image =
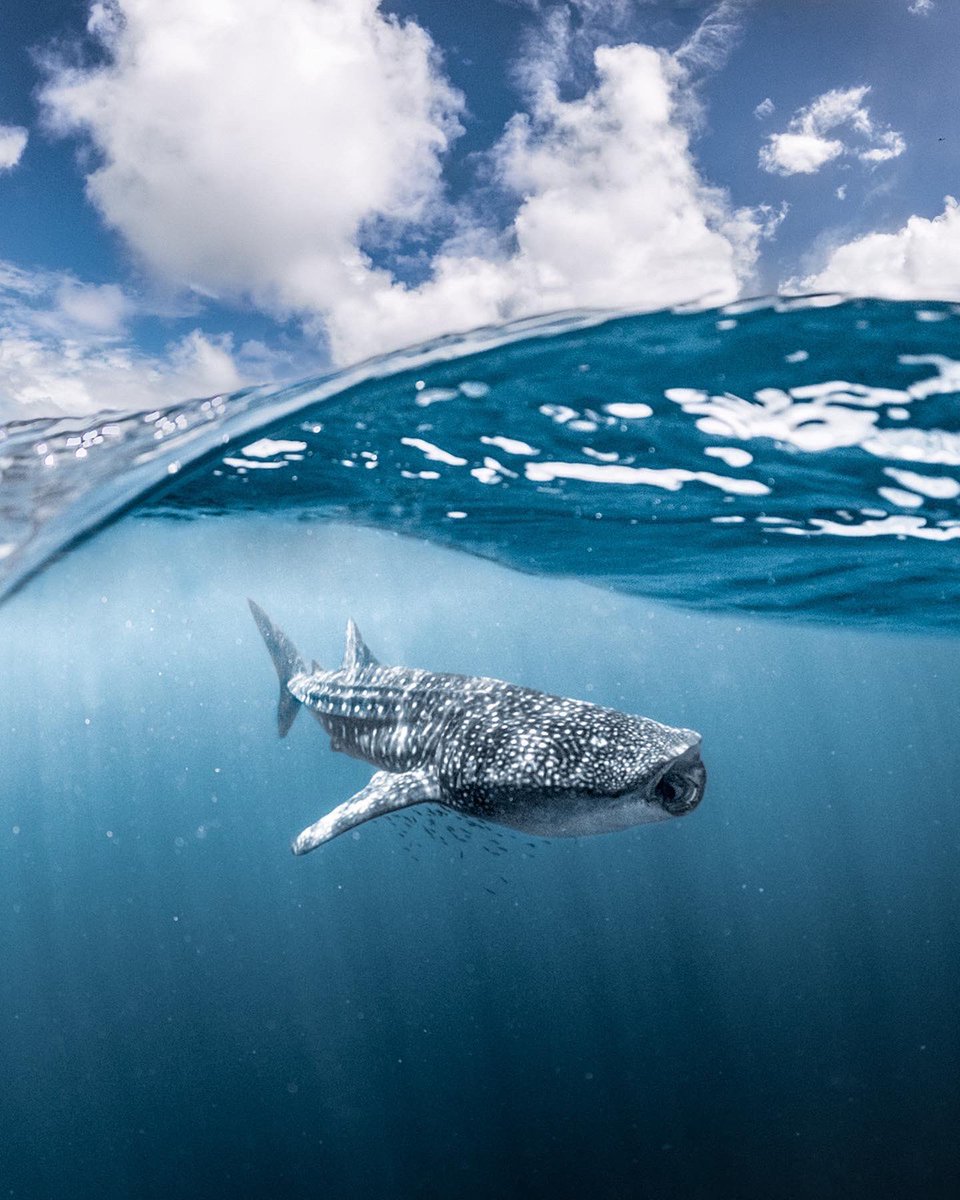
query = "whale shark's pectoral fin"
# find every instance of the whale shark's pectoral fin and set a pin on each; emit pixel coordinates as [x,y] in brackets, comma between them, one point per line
[385,793]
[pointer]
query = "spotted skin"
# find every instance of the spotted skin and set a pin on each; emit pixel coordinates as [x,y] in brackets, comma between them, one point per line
[491,750]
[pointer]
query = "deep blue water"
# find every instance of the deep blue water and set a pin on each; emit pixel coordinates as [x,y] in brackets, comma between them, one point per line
[757,1000]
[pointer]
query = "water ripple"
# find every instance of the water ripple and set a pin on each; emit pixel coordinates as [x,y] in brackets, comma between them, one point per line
[730,459]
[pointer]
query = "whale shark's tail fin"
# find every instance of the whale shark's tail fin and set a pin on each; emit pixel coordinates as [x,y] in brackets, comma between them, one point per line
[287,662]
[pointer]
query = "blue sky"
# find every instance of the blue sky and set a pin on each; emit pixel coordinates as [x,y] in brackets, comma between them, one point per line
[193,196]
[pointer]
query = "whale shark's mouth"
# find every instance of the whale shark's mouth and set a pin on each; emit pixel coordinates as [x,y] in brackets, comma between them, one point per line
[680,788]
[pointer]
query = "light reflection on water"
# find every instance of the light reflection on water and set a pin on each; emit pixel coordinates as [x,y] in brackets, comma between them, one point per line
[802,458]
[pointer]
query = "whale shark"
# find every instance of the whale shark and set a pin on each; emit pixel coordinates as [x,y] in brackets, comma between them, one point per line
[491,750]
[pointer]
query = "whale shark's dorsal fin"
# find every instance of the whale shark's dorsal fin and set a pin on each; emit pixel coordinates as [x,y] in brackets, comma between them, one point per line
[356,654]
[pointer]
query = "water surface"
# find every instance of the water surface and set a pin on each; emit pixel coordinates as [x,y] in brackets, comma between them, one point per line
[756,1000]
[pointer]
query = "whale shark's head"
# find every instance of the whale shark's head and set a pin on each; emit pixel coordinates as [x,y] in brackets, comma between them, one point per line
[668,773]
[640,771]
[678,786]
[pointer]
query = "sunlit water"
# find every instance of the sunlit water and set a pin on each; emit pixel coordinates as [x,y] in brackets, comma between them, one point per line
[756,1000]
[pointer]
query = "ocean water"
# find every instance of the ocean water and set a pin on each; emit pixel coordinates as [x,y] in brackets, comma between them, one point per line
[743,521]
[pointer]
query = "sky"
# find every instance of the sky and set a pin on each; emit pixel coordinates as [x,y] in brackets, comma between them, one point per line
[196,196]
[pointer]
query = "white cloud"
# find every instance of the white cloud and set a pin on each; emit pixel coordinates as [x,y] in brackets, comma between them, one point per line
[710,44]
[272,191]
[805,147]
[764,109]
[62,350]
[612,212]
[921,8]
[245,148]
[921,261]
[798,153]
[100,308]
[887,145]
[13,142]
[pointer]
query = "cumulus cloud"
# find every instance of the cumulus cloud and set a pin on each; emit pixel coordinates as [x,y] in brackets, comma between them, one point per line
[921,261]
[921,8]
[13,142]
[764,109]
[798,153]
[805,147]
[279,191]
[63,349]
[612,212]
[245,150]
[101,308]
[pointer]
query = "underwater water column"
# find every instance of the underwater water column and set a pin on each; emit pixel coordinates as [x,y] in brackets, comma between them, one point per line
[755,999]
